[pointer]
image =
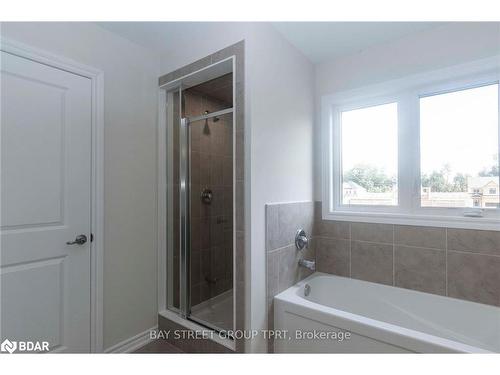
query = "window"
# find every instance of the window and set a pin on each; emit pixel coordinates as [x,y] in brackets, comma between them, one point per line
[419,151]
[458,146]
[369,173]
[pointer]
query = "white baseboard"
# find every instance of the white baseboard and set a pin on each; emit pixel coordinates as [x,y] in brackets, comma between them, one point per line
[132,343]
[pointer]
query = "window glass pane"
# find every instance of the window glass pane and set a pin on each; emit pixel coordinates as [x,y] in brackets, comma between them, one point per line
[369,147]
[459,148]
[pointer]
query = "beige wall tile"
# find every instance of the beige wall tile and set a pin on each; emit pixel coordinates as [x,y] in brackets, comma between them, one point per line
[474,277]
[273,267]
[420,236]
[332,229]
[197,65]
[420,269]
[372,262]
[294,216]
[289,271]
[474,241]
[272,227]
[216,170]
[332,255]
[382,233]
[227,171]
[284,219]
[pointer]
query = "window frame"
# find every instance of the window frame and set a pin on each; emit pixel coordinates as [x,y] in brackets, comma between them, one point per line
[406,93]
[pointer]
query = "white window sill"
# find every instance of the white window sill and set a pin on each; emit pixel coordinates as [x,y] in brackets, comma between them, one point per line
[478,223]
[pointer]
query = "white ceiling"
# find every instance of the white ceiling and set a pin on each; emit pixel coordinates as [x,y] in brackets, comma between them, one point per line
[324,41]
[318,41]
[158,36]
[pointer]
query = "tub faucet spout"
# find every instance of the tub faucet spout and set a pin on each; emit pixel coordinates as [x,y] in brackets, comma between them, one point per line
[309,264]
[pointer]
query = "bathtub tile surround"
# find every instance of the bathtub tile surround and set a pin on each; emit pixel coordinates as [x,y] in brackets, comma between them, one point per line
[371,261]
[282,257]
[329,228]
[283,220]
[335,254]
[458,263]
[481,242]
[289,271]
[381,233]
[474,277]
[420,269]
[429,237]
[272,272]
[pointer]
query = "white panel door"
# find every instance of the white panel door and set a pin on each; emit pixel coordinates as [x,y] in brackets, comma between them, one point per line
[45,202]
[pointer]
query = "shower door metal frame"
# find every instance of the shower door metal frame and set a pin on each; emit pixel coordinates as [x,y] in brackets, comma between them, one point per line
[185,209]
[185,219]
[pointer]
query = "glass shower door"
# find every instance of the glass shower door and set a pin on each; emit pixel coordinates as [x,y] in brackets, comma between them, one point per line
[211,221]
[200,199]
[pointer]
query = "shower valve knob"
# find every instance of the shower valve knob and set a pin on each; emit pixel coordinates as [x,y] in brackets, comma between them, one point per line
[206,196]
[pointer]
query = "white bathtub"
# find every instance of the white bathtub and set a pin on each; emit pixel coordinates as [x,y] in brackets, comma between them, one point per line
[380,319]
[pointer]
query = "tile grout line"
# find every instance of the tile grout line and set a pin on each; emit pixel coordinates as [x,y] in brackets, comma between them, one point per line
[421,247]
[332,237]
[374,242]
[474,253]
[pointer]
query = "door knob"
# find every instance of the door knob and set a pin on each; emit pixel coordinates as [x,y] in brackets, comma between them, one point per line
[79,240]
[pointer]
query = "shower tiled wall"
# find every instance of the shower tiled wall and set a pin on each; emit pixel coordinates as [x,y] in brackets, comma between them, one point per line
[211,224]
[458,263]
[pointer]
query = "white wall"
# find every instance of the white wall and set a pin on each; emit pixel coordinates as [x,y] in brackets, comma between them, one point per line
[282,126]
[130,110]
[431,49]
[279,95]
[196,40]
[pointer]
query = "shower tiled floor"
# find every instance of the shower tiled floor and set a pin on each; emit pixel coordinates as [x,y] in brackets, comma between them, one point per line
[217,311]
